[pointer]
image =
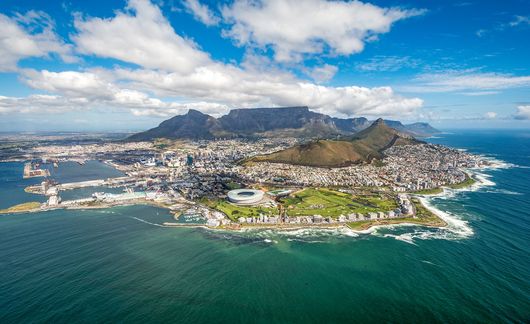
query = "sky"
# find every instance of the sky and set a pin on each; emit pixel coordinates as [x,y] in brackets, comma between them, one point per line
[126,65]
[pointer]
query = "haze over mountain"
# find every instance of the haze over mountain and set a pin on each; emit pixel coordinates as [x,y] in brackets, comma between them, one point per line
[267,122]
[364,146]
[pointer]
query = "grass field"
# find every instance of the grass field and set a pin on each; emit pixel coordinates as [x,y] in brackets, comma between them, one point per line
[466,183]
[434,191]
[21,208]
[331,203]
[235,211]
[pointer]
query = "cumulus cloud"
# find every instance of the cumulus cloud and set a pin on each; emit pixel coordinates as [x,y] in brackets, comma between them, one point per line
[172,67]
[295,28]
[236,88]
[523,112]
[323,73]
[141,35]
[29,35]
[39,103]
[87,89]
[201,12]
[69,83]
[137,103]
[450,81]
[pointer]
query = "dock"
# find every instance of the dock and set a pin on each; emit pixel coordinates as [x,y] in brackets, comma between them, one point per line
[30,172]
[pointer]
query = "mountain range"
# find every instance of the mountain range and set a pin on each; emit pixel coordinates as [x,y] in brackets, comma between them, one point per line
[268,122]
[365,146]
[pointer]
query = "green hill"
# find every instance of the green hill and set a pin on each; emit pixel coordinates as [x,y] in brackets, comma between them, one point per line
[365,146]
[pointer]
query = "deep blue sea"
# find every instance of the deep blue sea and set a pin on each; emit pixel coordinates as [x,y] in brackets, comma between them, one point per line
[118,265]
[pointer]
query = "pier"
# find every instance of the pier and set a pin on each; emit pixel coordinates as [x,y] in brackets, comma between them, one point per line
[30,172]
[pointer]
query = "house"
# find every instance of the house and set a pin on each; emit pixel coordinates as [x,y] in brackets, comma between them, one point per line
[318,219]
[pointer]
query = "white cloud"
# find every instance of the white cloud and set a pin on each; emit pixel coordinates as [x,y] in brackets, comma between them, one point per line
[237,88]
[141,35]
[323,73]
[19,40]
[450,81]
[523,112]
[201,12]
[70,83]
[294,28]
[40,104]
[91,90]
[490,115]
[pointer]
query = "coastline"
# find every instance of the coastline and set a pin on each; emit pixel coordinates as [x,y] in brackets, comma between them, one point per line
[439,220]
[365,227]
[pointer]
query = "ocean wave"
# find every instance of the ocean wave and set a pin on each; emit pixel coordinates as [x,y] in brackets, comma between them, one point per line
[496,163]
[504,192]
[484,180]
[455,225]
[456,229]
[106,212]
[306,235]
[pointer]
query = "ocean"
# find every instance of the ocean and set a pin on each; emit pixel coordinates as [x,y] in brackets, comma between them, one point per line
[120,265]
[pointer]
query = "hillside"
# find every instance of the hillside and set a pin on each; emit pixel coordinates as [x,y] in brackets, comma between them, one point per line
[265,122]
[365,146]
[193,125]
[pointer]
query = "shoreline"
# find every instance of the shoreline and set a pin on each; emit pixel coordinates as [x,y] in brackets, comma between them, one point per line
[365,228]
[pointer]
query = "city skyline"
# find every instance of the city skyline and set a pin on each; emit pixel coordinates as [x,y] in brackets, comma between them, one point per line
[127,65]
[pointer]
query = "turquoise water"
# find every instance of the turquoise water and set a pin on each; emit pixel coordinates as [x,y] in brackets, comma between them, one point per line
[118,265]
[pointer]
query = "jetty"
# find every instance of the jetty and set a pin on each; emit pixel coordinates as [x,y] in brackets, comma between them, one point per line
[31,172]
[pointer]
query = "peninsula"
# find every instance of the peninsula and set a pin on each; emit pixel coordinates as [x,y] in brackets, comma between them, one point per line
[322,177]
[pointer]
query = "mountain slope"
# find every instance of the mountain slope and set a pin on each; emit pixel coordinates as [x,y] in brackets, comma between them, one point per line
[421,129]
[193,125]
[365,146]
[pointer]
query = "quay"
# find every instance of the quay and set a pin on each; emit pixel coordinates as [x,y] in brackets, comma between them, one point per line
[30,172]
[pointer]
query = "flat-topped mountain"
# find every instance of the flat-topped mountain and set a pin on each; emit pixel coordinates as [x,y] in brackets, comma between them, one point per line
[291,121]
[364,146]
[266,122]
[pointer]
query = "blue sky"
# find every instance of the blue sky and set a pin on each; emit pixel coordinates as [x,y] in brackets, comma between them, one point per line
[127,65]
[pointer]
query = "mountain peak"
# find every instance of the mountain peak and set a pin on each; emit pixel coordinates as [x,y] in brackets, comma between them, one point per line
[194,112]
[379,121]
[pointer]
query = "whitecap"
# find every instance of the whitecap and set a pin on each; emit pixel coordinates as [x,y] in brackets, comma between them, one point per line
[308,234]
[456,228]
[428,262]
[505,192]
[407,237]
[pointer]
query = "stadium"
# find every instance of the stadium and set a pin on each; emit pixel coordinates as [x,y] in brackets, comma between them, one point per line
[245,196]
